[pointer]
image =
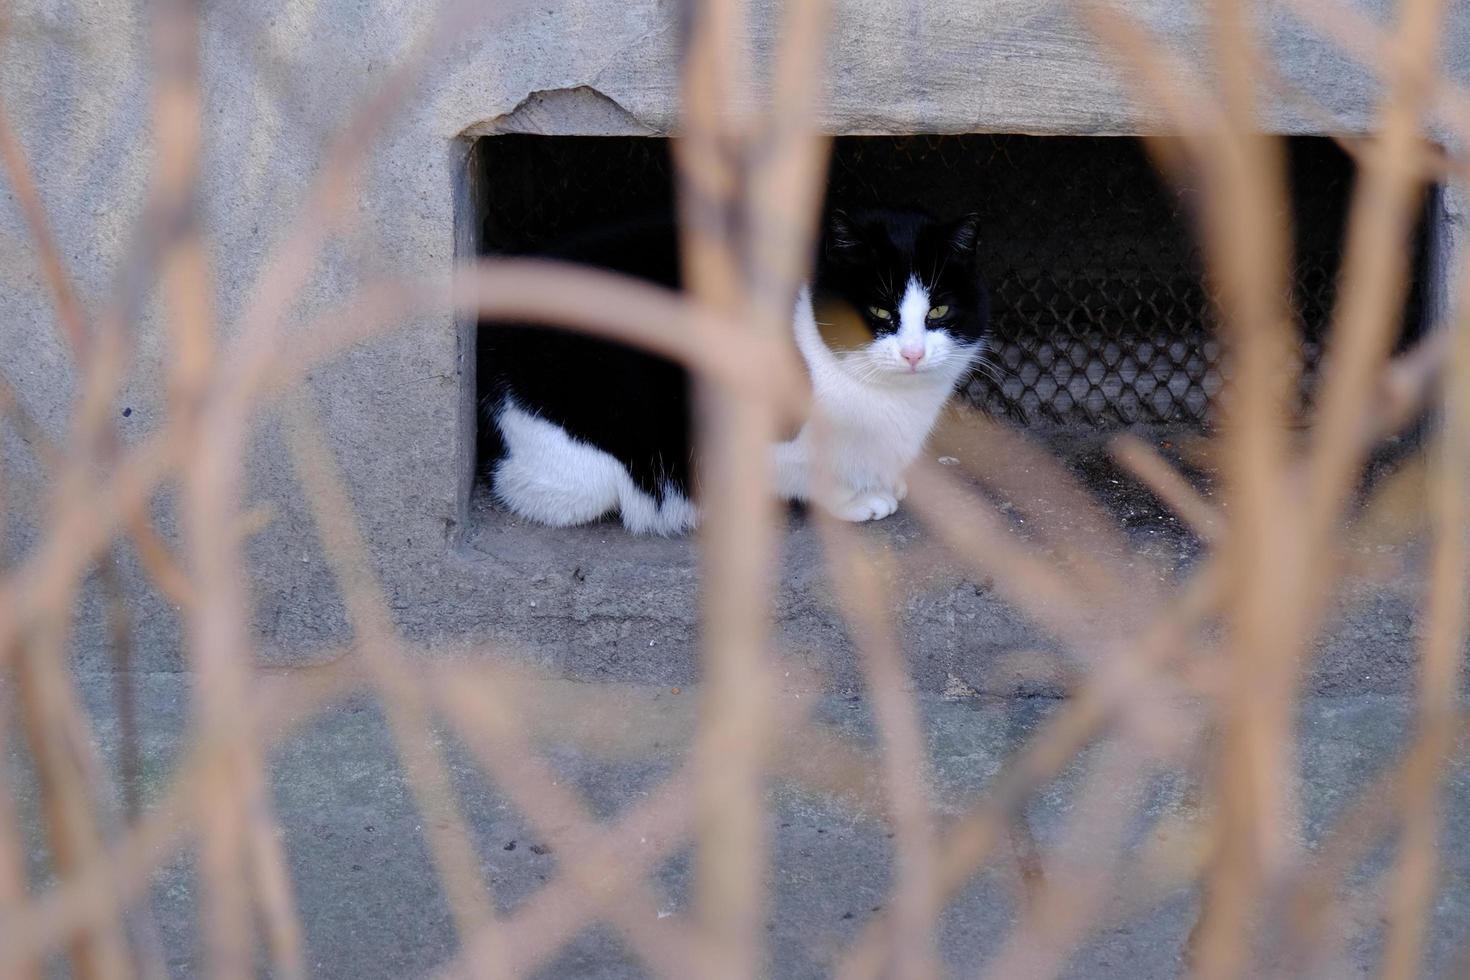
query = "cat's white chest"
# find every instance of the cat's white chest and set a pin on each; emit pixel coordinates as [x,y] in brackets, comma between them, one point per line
[876,434]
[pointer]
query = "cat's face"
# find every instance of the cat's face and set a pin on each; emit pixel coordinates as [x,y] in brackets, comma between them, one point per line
[914,282]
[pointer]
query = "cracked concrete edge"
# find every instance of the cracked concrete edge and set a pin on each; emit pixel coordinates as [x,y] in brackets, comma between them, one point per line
[579,109]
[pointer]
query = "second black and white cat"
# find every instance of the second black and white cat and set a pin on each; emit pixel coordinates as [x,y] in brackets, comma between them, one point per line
[583,428]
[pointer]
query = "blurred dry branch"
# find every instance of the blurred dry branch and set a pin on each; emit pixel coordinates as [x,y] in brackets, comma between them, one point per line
[1190,668]
[860,582]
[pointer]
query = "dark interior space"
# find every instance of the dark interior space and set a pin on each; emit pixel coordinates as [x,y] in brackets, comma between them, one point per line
[1101,317]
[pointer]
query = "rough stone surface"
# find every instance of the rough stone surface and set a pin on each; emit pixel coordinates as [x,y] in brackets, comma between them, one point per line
[372,907]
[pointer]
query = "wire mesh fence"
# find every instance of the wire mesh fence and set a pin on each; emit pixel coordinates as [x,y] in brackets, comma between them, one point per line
[1101,312]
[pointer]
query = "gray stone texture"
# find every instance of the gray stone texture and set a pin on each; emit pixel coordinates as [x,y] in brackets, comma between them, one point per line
[372,909]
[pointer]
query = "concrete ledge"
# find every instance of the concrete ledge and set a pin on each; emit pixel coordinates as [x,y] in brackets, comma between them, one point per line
[595,602]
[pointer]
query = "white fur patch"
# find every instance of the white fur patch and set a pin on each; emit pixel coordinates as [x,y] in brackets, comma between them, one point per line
[547,476]
[913,316]
[874,415]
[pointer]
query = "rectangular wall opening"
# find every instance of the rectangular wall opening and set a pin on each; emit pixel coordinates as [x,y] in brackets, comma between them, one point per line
[1101,316]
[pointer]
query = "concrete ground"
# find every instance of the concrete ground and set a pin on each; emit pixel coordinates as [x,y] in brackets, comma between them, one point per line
[602,615]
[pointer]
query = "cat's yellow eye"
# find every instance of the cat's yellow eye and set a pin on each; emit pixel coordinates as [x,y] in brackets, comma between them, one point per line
[880,313]
[938,311]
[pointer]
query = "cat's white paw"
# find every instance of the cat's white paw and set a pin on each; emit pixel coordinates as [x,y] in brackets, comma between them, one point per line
[868,507]
[901,490]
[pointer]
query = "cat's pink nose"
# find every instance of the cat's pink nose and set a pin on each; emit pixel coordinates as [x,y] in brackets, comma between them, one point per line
[913,355]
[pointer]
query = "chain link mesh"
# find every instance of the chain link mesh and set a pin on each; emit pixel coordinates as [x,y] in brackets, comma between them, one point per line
[1101,315]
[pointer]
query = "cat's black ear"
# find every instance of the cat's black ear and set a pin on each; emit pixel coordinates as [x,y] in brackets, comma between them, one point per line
[842,234]
[965,234]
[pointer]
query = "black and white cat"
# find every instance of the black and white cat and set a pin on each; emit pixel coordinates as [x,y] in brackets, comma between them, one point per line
[583,428]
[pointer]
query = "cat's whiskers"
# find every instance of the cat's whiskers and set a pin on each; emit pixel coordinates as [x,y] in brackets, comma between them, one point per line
[866,366]
[873,367]
[984,366]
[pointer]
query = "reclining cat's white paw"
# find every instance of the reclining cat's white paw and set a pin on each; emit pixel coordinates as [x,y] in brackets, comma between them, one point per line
[872,506]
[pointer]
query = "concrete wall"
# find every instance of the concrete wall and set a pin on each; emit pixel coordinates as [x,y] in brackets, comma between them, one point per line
[280,77]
